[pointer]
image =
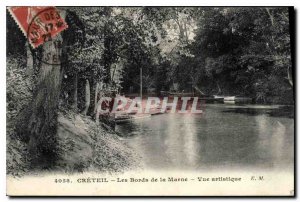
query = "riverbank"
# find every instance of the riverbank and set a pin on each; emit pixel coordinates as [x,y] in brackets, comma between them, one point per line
[83,146]
[86,146]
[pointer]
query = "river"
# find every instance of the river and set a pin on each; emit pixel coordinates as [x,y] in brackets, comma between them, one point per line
[223,137]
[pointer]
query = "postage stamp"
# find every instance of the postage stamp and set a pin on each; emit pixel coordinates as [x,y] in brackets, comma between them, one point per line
[38,23]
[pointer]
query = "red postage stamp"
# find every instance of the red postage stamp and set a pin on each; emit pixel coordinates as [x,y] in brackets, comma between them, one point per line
[38,23]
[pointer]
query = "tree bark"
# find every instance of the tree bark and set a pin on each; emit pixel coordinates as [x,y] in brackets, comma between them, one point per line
[271,16]
[219,89]
[98,105]
[41,117]
[29,65]
[96,96]
[75,92]
[290,77]
[87,97]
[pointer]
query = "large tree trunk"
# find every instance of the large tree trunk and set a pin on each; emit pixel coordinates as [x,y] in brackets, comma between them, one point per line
[87,97]
[42,112]
[43,119]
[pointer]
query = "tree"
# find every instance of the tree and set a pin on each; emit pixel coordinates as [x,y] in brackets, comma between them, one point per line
[42,113]
[242,51]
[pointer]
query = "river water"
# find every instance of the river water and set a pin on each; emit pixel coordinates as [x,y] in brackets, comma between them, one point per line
[223,137]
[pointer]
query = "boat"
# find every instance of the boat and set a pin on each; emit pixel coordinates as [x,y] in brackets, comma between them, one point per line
[128,117]
[237,100]
[123,116]
[229,102]
[219,96]
[229,98]
[156,111]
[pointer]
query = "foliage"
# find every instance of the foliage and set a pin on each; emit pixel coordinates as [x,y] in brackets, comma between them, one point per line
[244,50]
[18,94]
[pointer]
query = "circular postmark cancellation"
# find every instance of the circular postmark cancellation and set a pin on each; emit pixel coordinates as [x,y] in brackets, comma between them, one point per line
[44,30]
[44,26]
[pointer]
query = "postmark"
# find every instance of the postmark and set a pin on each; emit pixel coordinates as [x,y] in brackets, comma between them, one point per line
[42,25]
[38,23]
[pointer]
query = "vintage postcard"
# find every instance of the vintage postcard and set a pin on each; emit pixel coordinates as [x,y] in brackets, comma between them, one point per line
[150,101]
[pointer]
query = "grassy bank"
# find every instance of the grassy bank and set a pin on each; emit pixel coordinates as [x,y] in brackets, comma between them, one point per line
[82,146]
[85,146]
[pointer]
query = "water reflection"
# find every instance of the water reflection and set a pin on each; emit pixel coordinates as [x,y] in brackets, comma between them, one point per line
[218,138]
